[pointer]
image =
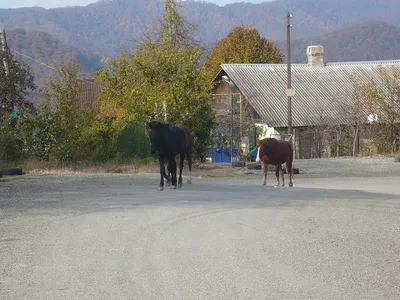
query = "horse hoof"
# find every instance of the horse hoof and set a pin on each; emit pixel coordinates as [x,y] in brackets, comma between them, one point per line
[160,188]
[173,187]
[189,181]
[290,184]
[180,185]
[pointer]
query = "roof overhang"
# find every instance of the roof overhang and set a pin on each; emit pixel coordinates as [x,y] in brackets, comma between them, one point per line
[218,77]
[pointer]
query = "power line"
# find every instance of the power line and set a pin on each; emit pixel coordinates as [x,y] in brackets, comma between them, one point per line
[48,66]
[35,60]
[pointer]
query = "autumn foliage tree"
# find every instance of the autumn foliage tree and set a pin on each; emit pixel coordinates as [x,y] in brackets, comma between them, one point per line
[242,45]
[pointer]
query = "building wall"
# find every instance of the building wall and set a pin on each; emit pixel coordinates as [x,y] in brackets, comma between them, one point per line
[303,144]
[223,99]
[268,132]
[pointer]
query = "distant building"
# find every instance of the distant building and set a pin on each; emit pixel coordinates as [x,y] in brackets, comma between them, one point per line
[89,92]
[322,91]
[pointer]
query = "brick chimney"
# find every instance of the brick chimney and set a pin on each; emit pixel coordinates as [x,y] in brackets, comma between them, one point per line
[315,54]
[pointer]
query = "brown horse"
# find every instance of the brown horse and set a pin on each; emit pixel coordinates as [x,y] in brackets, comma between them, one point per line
[276,152]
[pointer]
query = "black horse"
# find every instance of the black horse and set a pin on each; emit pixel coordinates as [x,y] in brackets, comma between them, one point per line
[170,140]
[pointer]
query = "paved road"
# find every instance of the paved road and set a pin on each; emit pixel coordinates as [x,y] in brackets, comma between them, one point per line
[117,237]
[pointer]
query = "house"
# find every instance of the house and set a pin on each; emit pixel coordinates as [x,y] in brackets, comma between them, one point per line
[322,90]
[89,91]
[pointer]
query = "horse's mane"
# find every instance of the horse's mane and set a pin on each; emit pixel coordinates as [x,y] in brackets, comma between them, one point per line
[157,124]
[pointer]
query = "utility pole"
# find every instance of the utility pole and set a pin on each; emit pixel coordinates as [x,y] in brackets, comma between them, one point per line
[4,49]
[289,91]
[6,56]
[231,130]
[4,52]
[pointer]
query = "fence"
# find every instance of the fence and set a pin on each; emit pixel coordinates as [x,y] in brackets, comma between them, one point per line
[235,133]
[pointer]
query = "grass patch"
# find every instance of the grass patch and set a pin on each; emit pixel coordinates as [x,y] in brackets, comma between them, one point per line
[132,166]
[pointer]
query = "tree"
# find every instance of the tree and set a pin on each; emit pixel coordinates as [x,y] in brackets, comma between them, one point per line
[15,86]
[162,79]
[374,111]
[242,45]
[57,129]
[356,111]
[384,100]
[380,98]
[175,30]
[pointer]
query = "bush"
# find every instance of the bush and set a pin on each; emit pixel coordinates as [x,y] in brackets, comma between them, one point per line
[133,142]
[11,147]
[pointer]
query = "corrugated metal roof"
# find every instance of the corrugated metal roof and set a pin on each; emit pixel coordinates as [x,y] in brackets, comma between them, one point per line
[320,91]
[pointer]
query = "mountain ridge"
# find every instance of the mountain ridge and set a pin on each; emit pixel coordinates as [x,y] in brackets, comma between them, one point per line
[364,41]
[104,26]
[39,49]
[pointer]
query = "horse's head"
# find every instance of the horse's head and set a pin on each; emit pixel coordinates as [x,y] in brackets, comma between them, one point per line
[260,149]
[156,131]
[264,146]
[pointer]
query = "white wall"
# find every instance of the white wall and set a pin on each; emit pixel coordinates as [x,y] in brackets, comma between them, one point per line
[267,131]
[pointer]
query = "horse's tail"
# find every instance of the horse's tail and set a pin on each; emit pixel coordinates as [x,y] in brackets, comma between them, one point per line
[194,148]
[290,147]
[289,163]
[189,145]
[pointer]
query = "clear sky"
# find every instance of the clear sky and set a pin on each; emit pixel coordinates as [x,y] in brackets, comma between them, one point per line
[63,3]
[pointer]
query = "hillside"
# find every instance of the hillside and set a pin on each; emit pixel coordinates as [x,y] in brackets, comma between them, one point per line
[371,40]
[103,26]
[44,48]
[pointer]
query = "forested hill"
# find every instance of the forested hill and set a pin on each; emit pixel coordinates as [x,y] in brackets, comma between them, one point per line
[371,40]
[38,49]
[346,28]
[103,26]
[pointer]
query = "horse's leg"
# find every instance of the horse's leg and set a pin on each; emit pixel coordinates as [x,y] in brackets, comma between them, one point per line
[265,173]
[277,172]
[182,158]
[168,176]
[172,164]
[281,175]
[189,158]
[162,173]
[289,170]
[289,167]
[175,181]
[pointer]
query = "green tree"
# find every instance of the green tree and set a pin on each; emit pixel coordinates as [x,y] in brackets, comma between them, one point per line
[162,79]
[56,130]
[242,45]
[174,29]
[15,87]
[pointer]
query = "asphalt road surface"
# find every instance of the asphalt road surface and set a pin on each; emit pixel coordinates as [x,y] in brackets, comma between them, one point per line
[117,237]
